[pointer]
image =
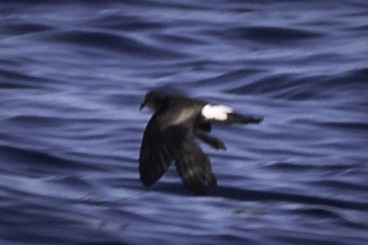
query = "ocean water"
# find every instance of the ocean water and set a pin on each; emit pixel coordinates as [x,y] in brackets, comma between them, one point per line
[72,77]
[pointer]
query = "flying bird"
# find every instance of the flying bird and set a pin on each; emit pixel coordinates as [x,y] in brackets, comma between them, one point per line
[170,136]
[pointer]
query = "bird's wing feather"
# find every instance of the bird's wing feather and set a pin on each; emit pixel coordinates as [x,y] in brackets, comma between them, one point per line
[160,144]
[194,167]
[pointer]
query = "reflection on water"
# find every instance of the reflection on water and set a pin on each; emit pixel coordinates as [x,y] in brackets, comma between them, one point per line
[72,76]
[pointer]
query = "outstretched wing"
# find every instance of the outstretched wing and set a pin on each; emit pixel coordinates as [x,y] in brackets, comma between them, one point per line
[161,142]
[194,167]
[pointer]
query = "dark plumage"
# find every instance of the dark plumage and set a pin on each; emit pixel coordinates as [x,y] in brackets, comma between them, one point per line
[170,136]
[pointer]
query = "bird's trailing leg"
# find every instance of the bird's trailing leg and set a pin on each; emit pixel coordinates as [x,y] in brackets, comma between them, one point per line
[211,141]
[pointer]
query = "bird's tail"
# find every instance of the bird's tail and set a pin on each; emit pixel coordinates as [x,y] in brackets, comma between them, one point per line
[238,118]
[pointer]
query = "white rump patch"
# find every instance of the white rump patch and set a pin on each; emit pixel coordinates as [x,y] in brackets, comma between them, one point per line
[216,112]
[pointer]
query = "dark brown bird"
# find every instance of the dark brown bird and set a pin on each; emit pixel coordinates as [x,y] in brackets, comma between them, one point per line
[171,135]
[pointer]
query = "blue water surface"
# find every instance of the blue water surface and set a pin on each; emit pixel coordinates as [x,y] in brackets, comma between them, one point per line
[72,77]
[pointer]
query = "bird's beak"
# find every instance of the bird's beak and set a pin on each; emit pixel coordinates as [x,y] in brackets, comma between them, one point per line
[142,105]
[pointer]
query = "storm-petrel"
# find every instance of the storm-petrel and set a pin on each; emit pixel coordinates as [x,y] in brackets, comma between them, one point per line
[170,136]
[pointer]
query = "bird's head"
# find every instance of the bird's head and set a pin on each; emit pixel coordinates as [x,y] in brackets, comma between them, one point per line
[153,100]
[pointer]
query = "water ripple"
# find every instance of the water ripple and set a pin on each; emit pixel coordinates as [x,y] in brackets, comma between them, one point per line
[112,42]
